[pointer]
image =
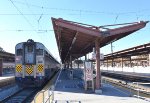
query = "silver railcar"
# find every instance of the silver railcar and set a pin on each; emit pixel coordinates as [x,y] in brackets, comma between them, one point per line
[34,63]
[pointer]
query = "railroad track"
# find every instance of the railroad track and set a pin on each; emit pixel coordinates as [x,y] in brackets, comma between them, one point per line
[132,88]
[22,96]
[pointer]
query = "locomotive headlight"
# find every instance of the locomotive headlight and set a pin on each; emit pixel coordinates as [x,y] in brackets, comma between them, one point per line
[18,74]
[18,59]
[40,60]
[39,74]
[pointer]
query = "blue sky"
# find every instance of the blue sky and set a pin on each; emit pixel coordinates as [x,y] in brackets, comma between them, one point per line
[21,19]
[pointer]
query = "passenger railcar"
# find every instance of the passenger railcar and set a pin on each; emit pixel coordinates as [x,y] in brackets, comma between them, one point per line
[34,64]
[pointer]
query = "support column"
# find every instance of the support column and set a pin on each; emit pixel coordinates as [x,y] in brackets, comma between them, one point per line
[130,62]
[149,59]
[122,63]
[1,67]
[70,61]
[78,63]
[98,75]
[68,65]
[65,65]
[85,57]
[112,62]
[107,64]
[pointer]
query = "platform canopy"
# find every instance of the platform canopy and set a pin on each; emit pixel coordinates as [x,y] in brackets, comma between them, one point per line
[138,50]
[77,39]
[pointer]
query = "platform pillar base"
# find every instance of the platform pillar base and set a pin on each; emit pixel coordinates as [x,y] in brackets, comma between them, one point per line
[98,91]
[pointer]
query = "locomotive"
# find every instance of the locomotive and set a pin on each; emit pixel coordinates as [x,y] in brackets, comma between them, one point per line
[34,64]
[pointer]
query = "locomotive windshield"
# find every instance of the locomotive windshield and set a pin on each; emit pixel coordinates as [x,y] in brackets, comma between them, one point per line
[39,51]
[19,52]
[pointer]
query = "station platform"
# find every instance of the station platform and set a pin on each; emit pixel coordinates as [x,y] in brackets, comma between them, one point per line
[129,73]
[6,77]
[68,90]
[6,80]
[134,75]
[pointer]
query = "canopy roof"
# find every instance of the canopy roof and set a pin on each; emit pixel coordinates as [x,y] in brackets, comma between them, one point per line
[77,39]
[138,50]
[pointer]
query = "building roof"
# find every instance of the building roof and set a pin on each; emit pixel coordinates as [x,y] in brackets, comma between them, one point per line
[77,39]
[138,50]
[7,56]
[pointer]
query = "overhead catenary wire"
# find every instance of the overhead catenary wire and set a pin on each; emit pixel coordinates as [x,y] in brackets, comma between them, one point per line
[79,12]
[83,11]
[22,14]
[48,30]
[116,19]
[30,9]
[38,14]
[25,30]
[111,44]
[40,19]
[76,10]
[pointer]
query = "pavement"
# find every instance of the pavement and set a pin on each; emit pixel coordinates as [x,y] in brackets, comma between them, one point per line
[68,90]
[6,78]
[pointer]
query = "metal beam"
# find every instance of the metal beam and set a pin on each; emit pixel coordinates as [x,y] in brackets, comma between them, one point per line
[79,28]
[126,29]
[73,42]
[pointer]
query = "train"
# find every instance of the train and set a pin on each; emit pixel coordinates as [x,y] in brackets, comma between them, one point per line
[34,64]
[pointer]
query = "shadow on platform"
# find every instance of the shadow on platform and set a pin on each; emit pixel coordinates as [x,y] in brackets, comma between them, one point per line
[76,85]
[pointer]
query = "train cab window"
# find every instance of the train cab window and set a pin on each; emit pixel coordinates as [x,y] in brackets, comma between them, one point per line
[30,48]
[46,52]
[19,52]
[39,51]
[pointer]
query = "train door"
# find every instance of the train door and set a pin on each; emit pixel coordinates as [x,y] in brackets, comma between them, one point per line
[29,59]
[29,54]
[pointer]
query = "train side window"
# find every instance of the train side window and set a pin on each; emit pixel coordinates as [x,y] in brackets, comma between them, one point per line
[39,51]
[19,52]
[46,52]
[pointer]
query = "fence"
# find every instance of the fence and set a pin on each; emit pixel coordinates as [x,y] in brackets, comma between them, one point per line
[138,89]
[135,89]
[45,96]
